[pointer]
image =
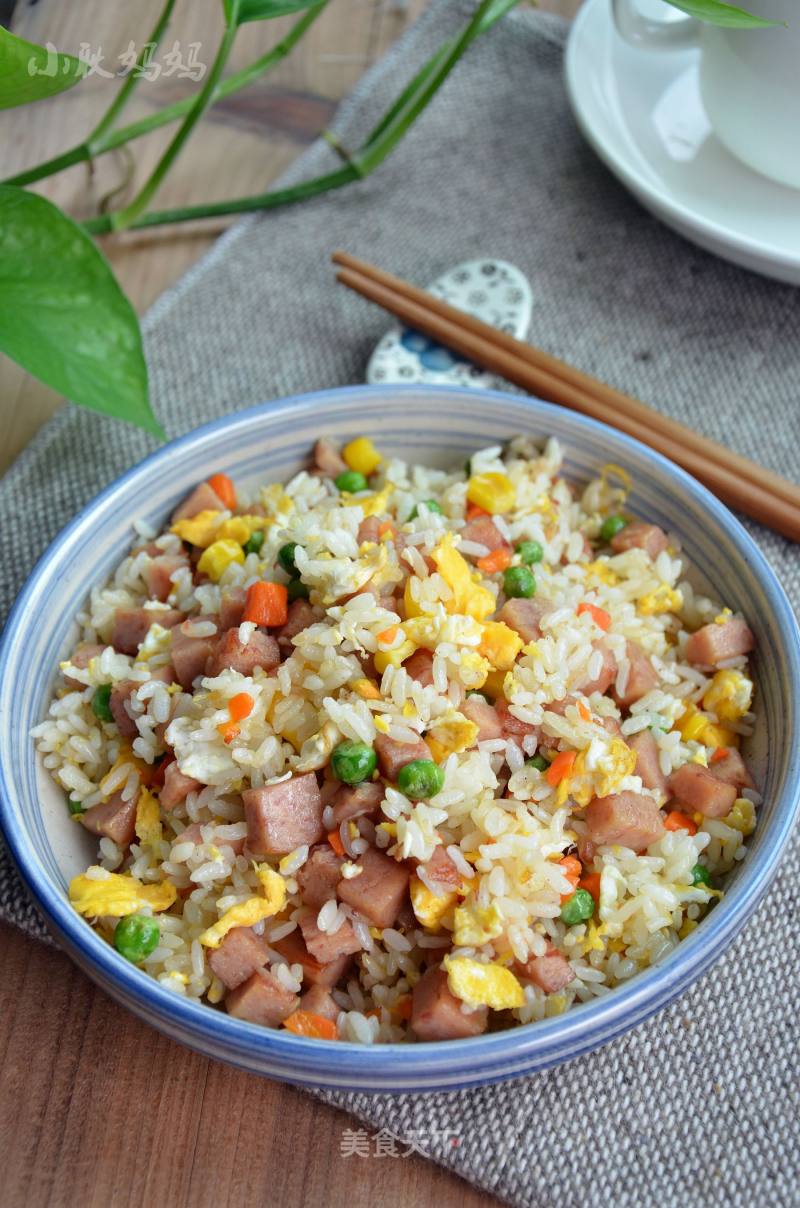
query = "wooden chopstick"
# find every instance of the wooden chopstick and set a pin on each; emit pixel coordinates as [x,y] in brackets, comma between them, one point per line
[741,483]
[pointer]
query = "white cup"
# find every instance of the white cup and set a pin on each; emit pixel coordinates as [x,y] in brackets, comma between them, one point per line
[749,79]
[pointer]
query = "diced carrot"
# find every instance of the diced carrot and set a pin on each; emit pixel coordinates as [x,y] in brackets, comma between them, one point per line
[402,1008]
[240,706]
[720,753]
[229,730]
[560,767]
[599,615]
[473,511]
[675,820]
[386,527]
[308,1023]
[224,488]
[572,869]
[335,840]
[497,560]
[387,636]
[266,604]
[583,711]
[591,883]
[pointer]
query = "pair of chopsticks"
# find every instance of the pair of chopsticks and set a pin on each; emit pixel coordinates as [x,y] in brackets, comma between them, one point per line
[739,482]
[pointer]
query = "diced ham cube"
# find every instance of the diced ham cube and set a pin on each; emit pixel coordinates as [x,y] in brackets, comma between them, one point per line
[299,617]
[394,755]
[260,651]
[420,667]
[120,695]
[281,817]
[231,609]
[483,531]
[318,1001]
[239,955]
[639,535]
[511,725]
[524,617]
[606,675]
[131,626]
[177,787]
[436,1013]
[551,972]
[368,530]
[732,769]
[328,460]
[612,727]
[327,946]
[114,819]
[293,948]
[642,677]
[630,819]
[81,656]
[202,499]
[587,850]
[698,788]
[319,876]
[441,869]
[261,999]
[354,802]
[379,889]
[158,575]
[647,761]
[190,656]
[485,717]
[715,643]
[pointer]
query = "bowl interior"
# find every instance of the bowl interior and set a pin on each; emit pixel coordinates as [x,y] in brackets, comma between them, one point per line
[439,428]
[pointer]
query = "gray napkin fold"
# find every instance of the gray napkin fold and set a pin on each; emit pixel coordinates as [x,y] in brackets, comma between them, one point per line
[700,1103]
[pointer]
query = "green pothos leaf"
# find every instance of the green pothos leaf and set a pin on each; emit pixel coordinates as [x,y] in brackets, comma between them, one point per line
[64,318]
[29,72]
[717,13]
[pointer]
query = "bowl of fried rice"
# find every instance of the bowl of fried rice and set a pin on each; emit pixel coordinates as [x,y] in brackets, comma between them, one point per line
[397,738]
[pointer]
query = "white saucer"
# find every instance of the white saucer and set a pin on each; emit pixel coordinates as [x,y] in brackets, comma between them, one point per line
[642,114]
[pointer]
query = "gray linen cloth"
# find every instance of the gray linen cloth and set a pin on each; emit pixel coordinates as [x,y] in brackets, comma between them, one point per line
[700,1103]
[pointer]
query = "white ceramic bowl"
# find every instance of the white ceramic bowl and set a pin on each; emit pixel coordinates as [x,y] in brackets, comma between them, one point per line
[438,427]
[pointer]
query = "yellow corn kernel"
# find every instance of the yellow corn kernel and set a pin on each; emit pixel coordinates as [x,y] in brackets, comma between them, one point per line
[742,817]
[493,492]
[663,599]
[719,736]
[367,689]
[361,455]
[691,724]
[218,557]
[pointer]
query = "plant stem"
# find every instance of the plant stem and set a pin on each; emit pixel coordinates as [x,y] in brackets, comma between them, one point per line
[83,152]
[384,137]
[121,219]
[124,94]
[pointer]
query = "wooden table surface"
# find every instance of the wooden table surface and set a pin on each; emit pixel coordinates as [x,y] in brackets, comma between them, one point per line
[95,1107]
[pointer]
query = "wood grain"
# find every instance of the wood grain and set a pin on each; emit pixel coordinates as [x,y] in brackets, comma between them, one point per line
[97,1109]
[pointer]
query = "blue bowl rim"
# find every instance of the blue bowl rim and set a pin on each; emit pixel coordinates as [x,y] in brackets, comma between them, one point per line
[425,1066]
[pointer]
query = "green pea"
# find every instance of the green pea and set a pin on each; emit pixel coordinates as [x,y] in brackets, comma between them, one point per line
[75,807]
[100,703]
[286,556]
[353,762]
[529,551]
[519,581]
[351,481]
[701,875]
[611,526]
[297,590]
[539,762]
[420,778]
[430,504]
[578,907]
[136,936]
[254,542]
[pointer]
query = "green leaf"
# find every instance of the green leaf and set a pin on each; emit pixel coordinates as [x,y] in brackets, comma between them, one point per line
[717,13]
[63,316]
[262,10]
[29,72]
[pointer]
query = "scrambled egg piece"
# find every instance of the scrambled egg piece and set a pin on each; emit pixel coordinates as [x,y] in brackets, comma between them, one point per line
[602,572]
[614,767]
[361,455]
[371,505]
[742,817]
[118,894]
[241,528]
[500,645]
[421,630]
[469,597]
[663,599]
[217,558]
[428,908]
[481,985]
[695,726]
[475,925]
[367,689]
[493,492]
[453,731]
[198,530]
[249,912]
[148,818]
[393,658]
[494,683]
[592,941]
[729,695]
